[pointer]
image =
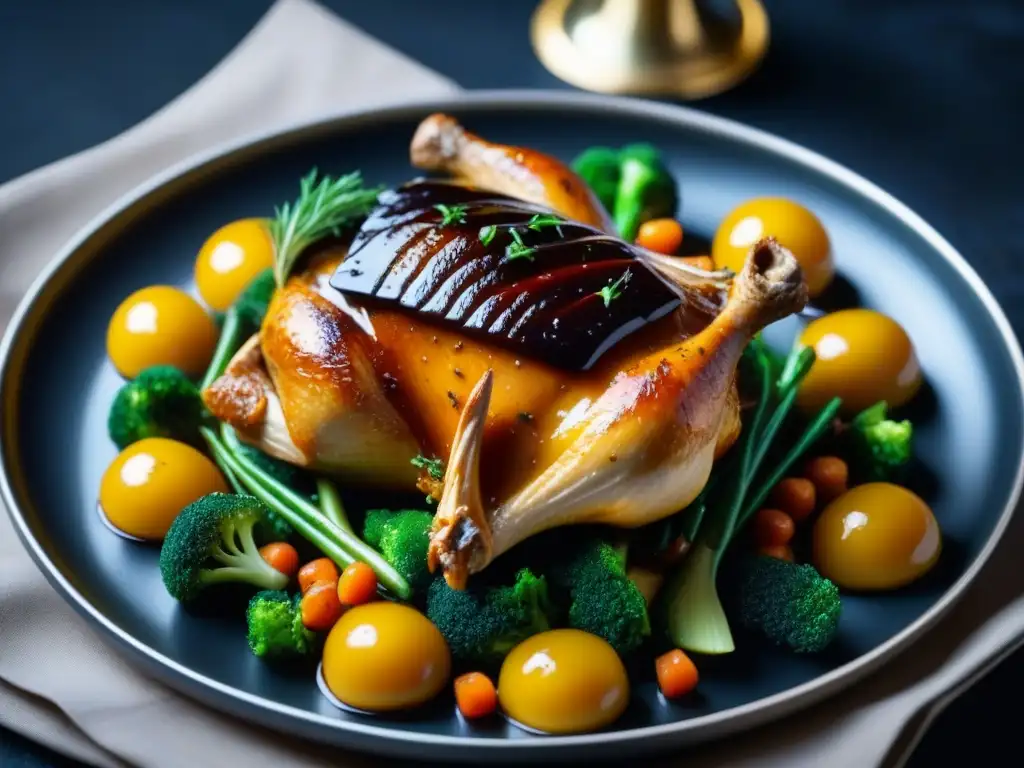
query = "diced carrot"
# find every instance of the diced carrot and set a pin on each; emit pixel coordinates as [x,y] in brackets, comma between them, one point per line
[357,585]
[321,569]
[660,235]
[830,476]
[773,527]
[281,556]
[320,606]
[796,496]
[475,695]
[780,551]
[677,674]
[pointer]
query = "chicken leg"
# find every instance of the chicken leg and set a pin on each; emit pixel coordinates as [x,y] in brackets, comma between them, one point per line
[441,144]
[640,451]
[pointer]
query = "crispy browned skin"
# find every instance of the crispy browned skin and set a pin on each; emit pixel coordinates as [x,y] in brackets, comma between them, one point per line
[358,392]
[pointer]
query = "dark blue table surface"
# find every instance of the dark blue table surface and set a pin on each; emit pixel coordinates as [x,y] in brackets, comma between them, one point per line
[923,97]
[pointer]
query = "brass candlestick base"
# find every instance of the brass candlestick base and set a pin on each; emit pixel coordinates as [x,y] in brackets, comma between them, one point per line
[680,48]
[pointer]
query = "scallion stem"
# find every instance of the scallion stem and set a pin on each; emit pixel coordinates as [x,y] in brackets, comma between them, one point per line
[227,345]
[260,490]
[296,507]
[798,363]
[810,435]
[331,506]
[720,535]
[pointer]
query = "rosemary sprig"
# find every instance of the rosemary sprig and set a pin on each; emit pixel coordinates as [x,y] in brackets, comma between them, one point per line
[487,234]
[612,291]
[517,249]
[451,214]
[321,209]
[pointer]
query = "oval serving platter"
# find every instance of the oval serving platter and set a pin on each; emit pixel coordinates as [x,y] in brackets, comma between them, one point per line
[57,384]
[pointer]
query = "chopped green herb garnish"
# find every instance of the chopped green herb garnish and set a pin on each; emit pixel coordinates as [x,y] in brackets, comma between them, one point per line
[517,249]
[321,209]
[434,467]
[541,220]
[487,234]
[612,291]
[452,214]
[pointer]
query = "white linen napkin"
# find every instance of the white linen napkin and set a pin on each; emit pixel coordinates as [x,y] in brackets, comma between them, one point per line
[62,686]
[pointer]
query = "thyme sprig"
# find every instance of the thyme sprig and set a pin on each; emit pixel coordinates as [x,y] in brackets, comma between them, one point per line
[612,291]
[517,249]
[451,214]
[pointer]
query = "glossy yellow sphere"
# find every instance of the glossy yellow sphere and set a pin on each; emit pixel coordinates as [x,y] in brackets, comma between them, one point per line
[230,259]
[863,356]
[385,656]
[160,325]
[790,223]
[563,681]
[876,536]
[151,481]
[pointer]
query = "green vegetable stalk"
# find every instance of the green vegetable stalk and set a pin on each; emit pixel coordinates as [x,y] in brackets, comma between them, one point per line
[341,545]
[242,319]
[696,618]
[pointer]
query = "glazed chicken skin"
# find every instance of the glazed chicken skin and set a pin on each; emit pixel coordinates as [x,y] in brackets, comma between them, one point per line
[551,402]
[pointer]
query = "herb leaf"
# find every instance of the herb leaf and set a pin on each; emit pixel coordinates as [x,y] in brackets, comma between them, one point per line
[321,209]
[434,467]
[540,220]
[612,291]
[452,214]
[518,249]
[487,234]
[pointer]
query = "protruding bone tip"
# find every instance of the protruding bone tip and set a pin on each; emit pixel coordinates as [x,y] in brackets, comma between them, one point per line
[774,262]
[435,142]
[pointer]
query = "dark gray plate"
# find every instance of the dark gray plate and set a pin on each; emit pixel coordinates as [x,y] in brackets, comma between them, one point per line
[57,385]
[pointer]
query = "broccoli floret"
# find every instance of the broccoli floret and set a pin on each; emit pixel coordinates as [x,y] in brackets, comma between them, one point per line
[646,190]
[599,167]
[402,537]
[482,624]
[632,183]
[790,604]
[879,448]
[160,402]
[602,599]
[275,626]
[211,542]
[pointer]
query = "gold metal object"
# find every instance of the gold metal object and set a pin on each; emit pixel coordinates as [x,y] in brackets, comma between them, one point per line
[681,48]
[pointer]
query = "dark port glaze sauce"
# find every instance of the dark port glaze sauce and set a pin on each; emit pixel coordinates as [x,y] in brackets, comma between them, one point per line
[506,270]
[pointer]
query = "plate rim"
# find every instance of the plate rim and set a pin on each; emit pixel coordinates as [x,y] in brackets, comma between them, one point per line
[396,741]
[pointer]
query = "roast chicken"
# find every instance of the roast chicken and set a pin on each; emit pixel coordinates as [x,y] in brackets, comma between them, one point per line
[491,319]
